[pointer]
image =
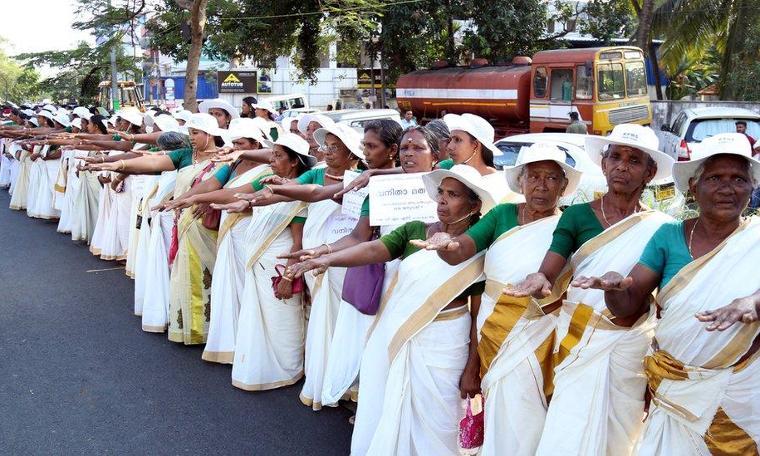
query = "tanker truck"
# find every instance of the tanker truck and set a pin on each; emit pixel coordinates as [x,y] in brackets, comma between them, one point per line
[606,86]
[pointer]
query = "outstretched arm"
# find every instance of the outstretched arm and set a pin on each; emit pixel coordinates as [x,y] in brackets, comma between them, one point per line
[358,255]
[625,296]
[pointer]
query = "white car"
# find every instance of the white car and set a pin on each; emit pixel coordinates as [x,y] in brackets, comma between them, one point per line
[691,126]
[357,118]
[593,184]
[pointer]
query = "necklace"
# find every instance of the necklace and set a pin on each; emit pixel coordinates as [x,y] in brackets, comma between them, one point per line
[337,178]
[604,216]
[691,236]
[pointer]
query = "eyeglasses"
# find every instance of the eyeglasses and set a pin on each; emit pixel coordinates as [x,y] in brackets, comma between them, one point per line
[331,148]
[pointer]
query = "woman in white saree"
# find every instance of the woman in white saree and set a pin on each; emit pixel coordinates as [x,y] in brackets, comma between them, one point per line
[512,339]
[597,405]
[269,347]
[193,250]
[229,268]
[325,223]
[702,369]
[409,401]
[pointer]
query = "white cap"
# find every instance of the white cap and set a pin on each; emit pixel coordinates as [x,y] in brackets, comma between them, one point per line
[82,112]
[77,123]
[245,127]
[264,105]
[631,135]
[206,123]
[165,122]
[721,144]
[476,126]
[539,152]
[131,115]
[218,103]
[298,145]
[347,135]
[306,119]
[183,114]
[50,108]
[29,112]
[465,174]
[34,121]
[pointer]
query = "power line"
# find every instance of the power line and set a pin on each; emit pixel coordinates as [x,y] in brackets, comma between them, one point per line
[321,11]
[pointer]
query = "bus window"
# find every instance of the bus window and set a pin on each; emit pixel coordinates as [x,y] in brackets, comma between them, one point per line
[611,84]
[635,79]
[562,84]
[584,83]
[539,82]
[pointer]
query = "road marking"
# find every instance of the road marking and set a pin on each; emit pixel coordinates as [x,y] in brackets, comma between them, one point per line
[107,269]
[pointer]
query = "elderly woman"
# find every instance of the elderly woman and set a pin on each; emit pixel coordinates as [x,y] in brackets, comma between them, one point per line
[597,405]
[516,338]
[702,370]
[193,249]
[419,346]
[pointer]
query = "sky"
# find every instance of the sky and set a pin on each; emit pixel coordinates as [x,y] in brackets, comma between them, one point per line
[39,25]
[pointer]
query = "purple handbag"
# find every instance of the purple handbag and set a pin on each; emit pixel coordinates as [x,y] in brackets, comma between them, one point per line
[363,287]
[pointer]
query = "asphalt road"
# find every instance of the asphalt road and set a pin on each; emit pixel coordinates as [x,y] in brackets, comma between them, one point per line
[78,376]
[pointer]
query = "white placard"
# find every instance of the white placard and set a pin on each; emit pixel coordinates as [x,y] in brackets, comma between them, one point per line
[353,200]
[400,198]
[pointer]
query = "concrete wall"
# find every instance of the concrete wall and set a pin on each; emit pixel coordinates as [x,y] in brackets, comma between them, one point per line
[663,112]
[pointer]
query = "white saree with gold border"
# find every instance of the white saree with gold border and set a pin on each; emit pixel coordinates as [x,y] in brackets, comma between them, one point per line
[409,397]
[190,283]
[705,391]
[20,185]
[269,347]
[324,224]
[85,204]
[516,341]
[229,269]
[598,402]
[152,262]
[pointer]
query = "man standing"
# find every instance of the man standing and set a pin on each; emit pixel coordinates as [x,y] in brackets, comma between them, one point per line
[741,127]
[408,120]
[576,126]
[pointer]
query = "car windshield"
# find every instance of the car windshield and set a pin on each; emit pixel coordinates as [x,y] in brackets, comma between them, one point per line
[699,129]
[510,150]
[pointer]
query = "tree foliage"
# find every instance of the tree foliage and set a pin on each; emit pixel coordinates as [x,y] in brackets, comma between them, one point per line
[17,83]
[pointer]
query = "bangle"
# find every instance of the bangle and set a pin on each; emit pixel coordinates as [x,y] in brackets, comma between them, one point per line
[329,249]
[122,165]
[286,279]
[102,159]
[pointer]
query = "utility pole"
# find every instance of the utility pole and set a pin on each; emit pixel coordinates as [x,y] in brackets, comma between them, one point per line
[116,100]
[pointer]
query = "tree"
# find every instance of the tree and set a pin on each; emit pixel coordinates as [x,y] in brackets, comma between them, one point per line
[80,70]
[607,19]
[17,83]
[197,10]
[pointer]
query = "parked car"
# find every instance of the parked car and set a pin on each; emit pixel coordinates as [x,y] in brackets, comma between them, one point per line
[297,112]
[593,184]
[288,101]
[691,126]
[357,118]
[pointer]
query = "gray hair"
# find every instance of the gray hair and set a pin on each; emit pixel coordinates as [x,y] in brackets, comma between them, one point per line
[701,170]
[171,140]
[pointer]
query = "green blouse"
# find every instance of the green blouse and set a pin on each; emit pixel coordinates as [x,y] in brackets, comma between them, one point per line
[313,176]
[397,243]
[667,252]
[576,226]
[496,222]
[181,157]
[446,164]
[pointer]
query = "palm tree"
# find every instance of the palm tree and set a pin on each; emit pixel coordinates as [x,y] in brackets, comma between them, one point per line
[692,25]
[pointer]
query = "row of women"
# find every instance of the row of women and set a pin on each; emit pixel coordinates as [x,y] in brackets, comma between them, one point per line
[603,328]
